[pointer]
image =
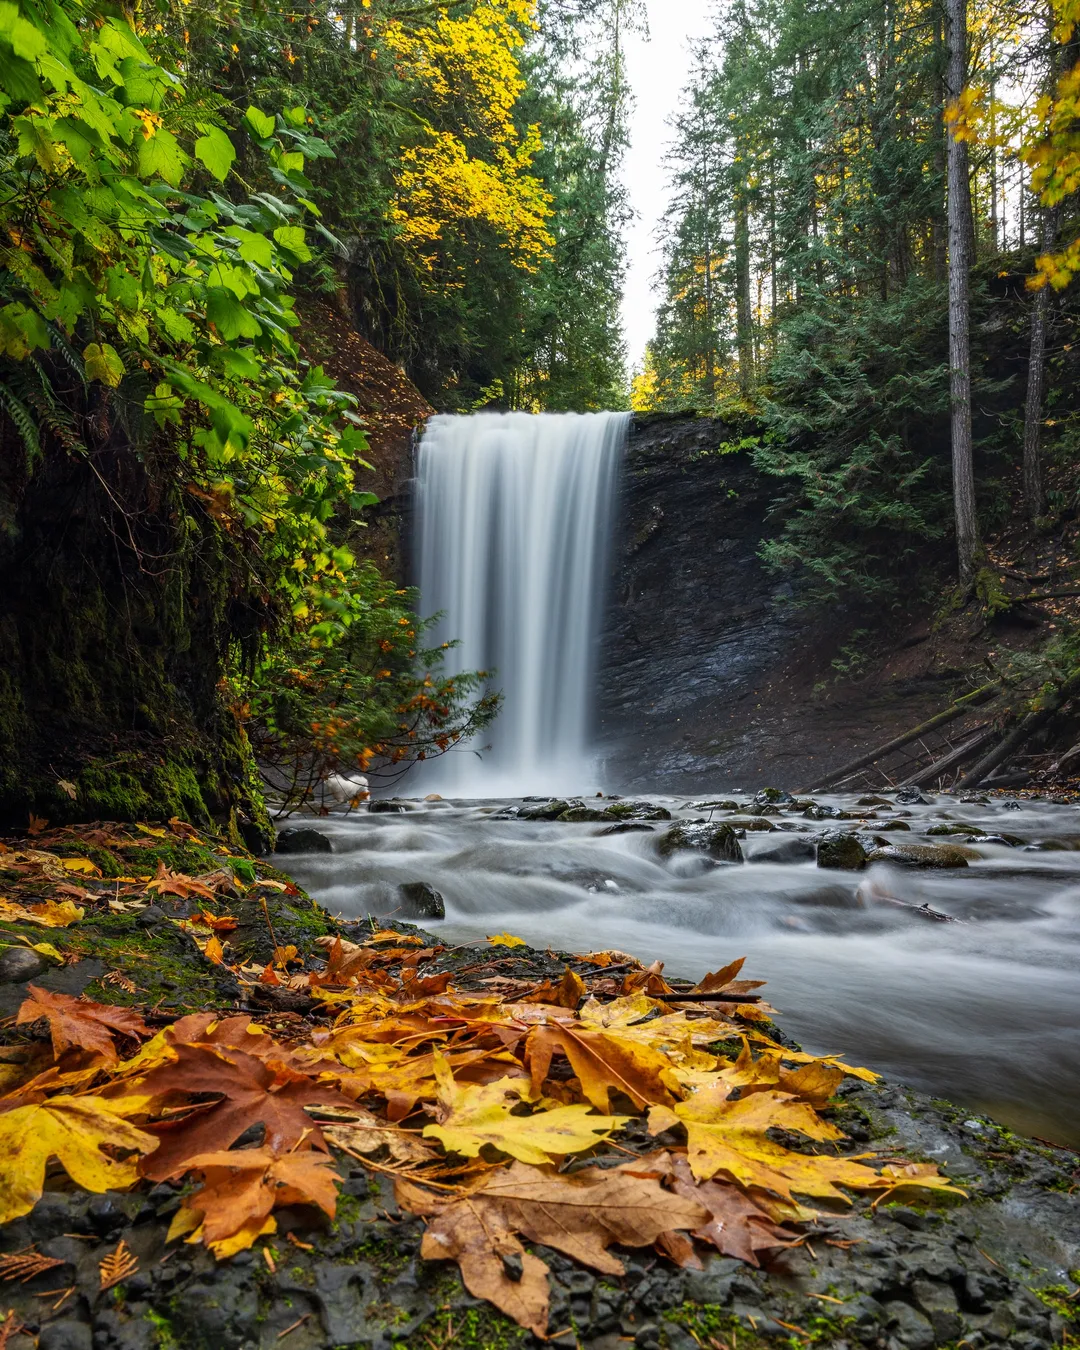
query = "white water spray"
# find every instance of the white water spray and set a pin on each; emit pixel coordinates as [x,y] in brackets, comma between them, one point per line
[514,519]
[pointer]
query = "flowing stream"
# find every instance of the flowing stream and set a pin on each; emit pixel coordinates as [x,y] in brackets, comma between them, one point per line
[985,1012]
[514,518]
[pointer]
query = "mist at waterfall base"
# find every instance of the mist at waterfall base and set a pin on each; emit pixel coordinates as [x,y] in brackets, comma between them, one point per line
[985,1012]
[514,514]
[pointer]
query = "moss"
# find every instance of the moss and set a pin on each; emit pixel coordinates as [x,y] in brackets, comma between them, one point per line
[466,1329]
[1060,1299]
[165,1337]
[708,1321]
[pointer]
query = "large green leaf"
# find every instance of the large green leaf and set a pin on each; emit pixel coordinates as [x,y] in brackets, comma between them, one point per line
[215,150]
[103,363]
[291,238]
[231,318]
[260,123]
[161,155]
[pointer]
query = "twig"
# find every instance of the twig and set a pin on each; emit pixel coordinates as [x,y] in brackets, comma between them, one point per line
[706,998]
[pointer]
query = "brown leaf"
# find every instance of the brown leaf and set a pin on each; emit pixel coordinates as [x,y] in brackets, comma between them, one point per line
[602,1060]
[37,824]
[117,1266]
[176,883]
[737,1226]
[251,1092]
[367,1134]
[568,993]
[73,1021]
[494,1265]
[241,1186]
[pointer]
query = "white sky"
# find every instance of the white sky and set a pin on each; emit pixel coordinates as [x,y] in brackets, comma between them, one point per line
[657,70]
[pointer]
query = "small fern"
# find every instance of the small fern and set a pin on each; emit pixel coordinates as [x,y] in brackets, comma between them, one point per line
[24,424]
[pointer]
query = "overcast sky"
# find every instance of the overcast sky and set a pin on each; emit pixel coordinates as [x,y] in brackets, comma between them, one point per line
[657,69]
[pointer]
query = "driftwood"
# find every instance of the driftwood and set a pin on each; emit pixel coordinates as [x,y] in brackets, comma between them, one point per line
[949,714]
[1022,732]
[950,761]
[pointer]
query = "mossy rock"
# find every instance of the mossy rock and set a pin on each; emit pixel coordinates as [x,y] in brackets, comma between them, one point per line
[942,856]
[719,841]
[841,852]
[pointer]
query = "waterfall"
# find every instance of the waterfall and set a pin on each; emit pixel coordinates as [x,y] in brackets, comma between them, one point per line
[514,518]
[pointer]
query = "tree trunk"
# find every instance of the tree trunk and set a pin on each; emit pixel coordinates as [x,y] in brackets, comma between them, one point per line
[967,537]
[744,320]
[1034,494]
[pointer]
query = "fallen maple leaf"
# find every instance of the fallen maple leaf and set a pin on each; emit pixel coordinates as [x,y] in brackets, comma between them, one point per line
[240,1188]
[117,1266]
[74,1021]
[85,866]
[74,1130]
[176,883]
[568,993]
[730,1136]
[737,1226]
[580,1215]
[506,940]
[251,1093]
[402,939]
[37,824]
[367,1134]
[474,1115]
[602,1060]
[47,914]
[219,923]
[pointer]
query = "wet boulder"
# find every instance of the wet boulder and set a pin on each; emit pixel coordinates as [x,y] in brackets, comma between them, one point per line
[575,814]
[785,849]
[302,841]
[924,855]
[841,851]
[718,841]
[546,810]
[421,901]
[627,827]
[384,806]
[817,812]
[956,827]
[751,823]
[771,796]
[18,964]
[636,811]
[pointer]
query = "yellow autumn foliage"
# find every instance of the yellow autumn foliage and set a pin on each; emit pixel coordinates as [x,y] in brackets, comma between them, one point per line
[470,163]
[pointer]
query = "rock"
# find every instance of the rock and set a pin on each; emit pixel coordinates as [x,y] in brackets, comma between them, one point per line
[872,801]
[718,841]
[627,827]
[423,901]
[578,813]
[20,963]
[551,809]
[815,812]
[841,851]
[911,796]
[382,807]
[151,916]
[956,828]
[305,841]
[751,823]
[911,1329]
[894,825]
[67,1334]
[924,855]
[637,811]
[773,797]
[715,806]
[786,850]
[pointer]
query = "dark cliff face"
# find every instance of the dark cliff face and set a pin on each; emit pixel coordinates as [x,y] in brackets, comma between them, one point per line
[695,623]
[711,678]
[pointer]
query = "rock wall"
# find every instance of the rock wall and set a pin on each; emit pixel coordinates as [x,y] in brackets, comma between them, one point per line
[710,677]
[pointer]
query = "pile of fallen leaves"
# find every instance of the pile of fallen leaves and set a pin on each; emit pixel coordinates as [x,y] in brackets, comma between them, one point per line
[608,1107]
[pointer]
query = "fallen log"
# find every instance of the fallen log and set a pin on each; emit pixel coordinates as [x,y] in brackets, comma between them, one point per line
[923,777]
[1022,732]
[949,714]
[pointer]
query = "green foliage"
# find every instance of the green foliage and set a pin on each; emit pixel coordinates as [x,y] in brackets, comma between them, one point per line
[859,407]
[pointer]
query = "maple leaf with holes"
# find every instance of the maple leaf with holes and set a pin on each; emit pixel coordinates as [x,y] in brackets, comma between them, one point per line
[117,1266]
[240,1187]
[176,883]
[250,1092]
[73,1021]
[580,1215]
[603,1060]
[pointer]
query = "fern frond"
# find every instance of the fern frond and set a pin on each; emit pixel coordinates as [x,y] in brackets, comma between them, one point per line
[24,424]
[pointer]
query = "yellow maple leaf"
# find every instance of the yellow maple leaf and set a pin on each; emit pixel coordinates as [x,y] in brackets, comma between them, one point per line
[476,1114]
[506,940]
[73,1130]
[84,865]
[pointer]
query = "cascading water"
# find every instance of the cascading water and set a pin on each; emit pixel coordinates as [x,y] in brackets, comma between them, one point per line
[514,519]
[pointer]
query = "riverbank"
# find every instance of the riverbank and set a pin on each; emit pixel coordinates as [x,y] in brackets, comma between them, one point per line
[990,1267]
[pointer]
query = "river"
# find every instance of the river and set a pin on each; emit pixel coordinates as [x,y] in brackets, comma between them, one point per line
[984,1012]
